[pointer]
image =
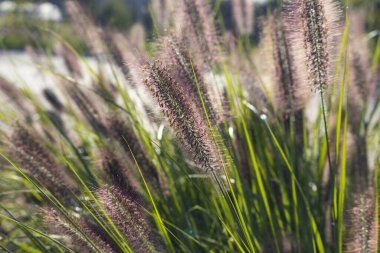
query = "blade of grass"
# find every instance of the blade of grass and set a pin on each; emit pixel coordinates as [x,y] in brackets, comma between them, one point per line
[317,239]
[342,188]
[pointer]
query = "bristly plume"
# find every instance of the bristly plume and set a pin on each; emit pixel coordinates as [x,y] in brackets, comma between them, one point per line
[243,13]
[289,92]
[36,160]
[14,94]
[130,218]
[125,136]
[70,59]
[125,55]
[81,237]
[87,108]
[201,31]
[183,69]
[362,84]
[315,24]
[118,173]
[85,26]
[183,114]
[117,49]
[361,225]
[162,13]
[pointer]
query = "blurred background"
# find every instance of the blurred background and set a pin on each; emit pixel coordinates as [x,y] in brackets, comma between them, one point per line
[37,28]
[19,19]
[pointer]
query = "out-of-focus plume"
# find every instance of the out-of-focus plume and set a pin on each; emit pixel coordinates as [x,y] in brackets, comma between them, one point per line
[33,157]
[361,88]
[253,91]
[244,13]
[137,36]
[199,31]
[361,225]
[34,55]
[131,145]
[290,93]
[162,11]
[184,71]
[362,84]
[183,114]
[130,218]
[105,88]
[70,59]
[80,236]
[14,95]
[84,25]
[123,52]
[120,176]
[87,108]
[315,26]
[118,49]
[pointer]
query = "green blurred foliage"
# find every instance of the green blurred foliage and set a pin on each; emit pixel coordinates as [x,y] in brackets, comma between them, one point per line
[371,8]
[115,13]
[17,31]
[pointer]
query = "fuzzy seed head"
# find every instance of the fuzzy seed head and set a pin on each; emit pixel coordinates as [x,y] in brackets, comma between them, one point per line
[183,115]
[79,235]
[128,216]
[33,156]
[315,24]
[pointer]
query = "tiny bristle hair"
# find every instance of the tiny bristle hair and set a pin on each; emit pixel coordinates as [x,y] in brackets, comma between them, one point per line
[34,157]
[200,30]
[183,115]
[361,227]
[132,147]
[315,26]
[78,236]
[128,215]
[87,107]
[290,94]
[243,13]
[53,99]
[119,175]
[184,70]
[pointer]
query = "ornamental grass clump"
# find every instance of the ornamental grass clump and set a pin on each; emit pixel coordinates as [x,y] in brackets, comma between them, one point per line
[194,132]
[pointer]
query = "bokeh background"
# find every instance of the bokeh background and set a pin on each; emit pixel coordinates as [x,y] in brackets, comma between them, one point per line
[19,18]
